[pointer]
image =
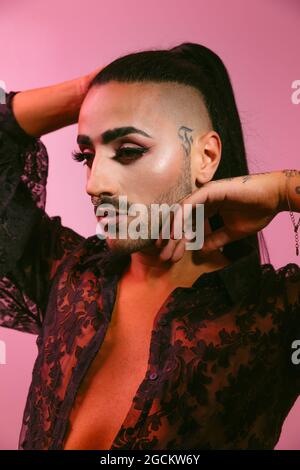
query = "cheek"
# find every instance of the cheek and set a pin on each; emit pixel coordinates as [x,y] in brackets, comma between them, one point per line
[155,174]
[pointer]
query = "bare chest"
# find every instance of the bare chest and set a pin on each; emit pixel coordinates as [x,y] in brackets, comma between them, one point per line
[107,391]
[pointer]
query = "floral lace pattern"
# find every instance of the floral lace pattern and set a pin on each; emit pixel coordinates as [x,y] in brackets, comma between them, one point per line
[219,375]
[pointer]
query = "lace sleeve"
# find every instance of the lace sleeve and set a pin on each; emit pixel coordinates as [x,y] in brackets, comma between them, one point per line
[32,244]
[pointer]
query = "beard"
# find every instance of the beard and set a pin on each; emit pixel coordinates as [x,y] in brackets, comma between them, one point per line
[122,248]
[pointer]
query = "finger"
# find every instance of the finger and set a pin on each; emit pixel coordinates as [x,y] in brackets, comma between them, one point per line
[165,235]
[175,238]
[211,196]
[181,217]
[168,250]
[95,72]
[179,251]
[217,240]
[158,242]
[187,219]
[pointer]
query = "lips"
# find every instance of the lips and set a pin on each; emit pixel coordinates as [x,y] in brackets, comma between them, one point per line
[115,211]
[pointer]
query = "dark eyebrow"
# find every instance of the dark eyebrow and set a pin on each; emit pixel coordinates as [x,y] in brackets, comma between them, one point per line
[112,134]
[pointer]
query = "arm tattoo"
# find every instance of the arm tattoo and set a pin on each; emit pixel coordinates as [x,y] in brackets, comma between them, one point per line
[248,177]
[186,139]
[245,178]
[289,174]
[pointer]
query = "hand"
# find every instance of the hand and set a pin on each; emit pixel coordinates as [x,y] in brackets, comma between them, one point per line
[246,204]
[86,79]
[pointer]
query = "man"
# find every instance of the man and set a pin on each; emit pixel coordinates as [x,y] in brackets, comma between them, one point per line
[139,346]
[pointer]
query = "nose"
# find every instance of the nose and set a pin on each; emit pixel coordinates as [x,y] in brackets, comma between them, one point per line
[101,180]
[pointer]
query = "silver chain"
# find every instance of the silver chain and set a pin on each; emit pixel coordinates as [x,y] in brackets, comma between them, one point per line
[296,225]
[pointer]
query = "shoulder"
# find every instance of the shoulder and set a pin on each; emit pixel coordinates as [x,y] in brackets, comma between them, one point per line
[279,293]
[89,254]
[276,289]
[285,277]
[289,279]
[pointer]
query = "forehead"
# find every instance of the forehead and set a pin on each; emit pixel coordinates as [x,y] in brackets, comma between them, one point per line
[152,104]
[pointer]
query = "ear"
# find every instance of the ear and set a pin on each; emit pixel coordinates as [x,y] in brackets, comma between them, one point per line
[205,158]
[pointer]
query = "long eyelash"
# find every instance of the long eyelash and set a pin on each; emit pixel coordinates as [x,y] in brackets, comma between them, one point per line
[127,151]
[80,156]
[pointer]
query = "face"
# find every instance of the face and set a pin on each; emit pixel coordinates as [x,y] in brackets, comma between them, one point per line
[156,165]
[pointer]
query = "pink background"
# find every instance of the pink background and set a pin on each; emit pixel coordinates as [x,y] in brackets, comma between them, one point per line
[46,42]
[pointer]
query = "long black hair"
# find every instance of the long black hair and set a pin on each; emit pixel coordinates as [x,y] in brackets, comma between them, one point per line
[197,66]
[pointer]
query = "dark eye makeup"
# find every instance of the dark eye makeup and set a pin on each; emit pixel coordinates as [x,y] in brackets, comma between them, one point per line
[124,154]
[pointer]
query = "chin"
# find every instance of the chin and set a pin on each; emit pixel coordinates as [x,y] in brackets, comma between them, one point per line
[127,246]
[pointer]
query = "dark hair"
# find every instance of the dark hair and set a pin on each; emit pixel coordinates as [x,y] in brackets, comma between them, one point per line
[197,66]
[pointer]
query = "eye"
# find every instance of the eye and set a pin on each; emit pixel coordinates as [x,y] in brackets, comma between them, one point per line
[128,154]
[124,154]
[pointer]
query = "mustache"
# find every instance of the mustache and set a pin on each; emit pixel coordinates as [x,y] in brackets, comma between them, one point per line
[106,201]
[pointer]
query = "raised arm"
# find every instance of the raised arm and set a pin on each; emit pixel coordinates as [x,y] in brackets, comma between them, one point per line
[46,109]
[32,244]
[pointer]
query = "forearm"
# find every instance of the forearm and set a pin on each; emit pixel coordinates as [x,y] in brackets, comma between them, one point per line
[290,190]
[43,110]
